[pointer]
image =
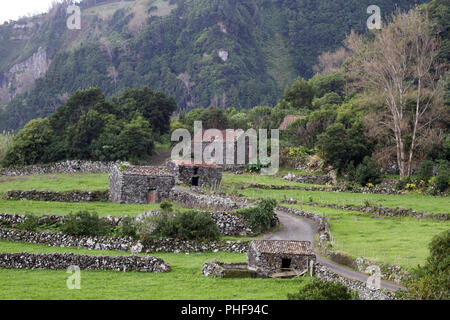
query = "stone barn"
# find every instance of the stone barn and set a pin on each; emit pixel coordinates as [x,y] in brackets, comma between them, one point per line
[276,256]
[142,185]
[198,175]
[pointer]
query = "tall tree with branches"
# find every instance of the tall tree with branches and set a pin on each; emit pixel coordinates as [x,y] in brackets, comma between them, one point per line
[401,65]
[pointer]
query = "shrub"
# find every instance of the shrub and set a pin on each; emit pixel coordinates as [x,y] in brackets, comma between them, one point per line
[262,216]
[317,289]
[31,223]
[425,171]
[191,225]
[256,167]
[368,171]
[443,177]
[85,223]
[128,228]
[166,207]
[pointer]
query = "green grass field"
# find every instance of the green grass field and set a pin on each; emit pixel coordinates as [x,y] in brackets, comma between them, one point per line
[400,241]
[415,201]
[185,281]
[55,182]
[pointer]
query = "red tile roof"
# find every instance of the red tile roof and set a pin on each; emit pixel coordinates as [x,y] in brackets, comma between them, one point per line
[225,137]
[283,246]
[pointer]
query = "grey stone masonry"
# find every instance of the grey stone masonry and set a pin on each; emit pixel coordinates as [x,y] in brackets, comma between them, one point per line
[192,174]
[270,256]
[142,185]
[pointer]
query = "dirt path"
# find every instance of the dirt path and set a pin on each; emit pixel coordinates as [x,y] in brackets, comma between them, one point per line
[296,228]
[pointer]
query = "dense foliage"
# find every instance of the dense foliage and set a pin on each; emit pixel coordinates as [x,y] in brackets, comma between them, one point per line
[269,43]
[84,223]
[261,217]
[89,127]
[190,225]
[317,289]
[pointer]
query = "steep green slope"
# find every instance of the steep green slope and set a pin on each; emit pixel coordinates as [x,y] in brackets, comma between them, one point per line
[202,52]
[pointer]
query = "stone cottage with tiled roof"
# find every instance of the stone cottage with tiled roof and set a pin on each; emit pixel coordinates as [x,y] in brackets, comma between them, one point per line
[141,185]
[274,256]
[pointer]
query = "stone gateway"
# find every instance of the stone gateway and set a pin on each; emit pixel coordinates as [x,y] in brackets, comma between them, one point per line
[141,185]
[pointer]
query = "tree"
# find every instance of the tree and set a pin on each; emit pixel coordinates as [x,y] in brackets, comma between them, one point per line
[300,95]
[28,145]
[401,65]
[136,139]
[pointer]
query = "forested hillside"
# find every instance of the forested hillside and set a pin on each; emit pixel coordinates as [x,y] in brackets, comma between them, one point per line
[226,53]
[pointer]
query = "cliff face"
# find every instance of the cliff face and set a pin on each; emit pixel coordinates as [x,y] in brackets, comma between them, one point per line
[20,77]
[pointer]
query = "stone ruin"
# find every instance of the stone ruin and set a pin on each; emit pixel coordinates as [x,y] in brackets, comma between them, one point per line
[277,256]
[196,175]
[141,185]
[268,258]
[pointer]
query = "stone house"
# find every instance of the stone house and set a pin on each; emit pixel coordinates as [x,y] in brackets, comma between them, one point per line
[134,184]
[231,142]
[273,256]
[192,174]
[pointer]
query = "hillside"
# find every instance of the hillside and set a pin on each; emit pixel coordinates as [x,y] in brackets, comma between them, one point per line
[202,52]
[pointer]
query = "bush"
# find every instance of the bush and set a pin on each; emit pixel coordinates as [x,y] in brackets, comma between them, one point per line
[262,216]
[443,177]
[317,289]
[31,223]
[166,207]
[425,171]
[368,171]
[84,223]
[191,225]
[128,228]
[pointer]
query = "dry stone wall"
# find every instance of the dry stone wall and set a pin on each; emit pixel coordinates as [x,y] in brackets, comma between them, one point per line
[61,261]
[70,196]
[69,166]
[121,244]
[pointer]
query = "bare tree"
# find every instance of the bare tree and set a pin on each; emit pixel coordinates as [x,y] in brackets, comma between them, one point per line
[401,65]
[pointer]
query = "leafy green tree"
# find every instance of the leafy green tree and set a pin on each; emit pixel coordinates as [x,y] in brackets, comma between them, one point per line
[29,144]
[300,95]
[368,172]
[136,139]
[328,83]
[339,145]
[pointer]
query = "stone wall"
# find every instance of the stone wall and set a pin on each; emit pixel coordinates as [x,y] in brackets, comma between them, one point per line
[309,179]
[70,196]
[121,244]
[69,166]
[210,176]
[61,261]
[193,200]
[364,292]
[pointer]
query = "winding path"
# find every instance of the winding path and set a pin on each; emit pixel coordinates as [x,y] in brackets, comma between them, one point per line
[300,229]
